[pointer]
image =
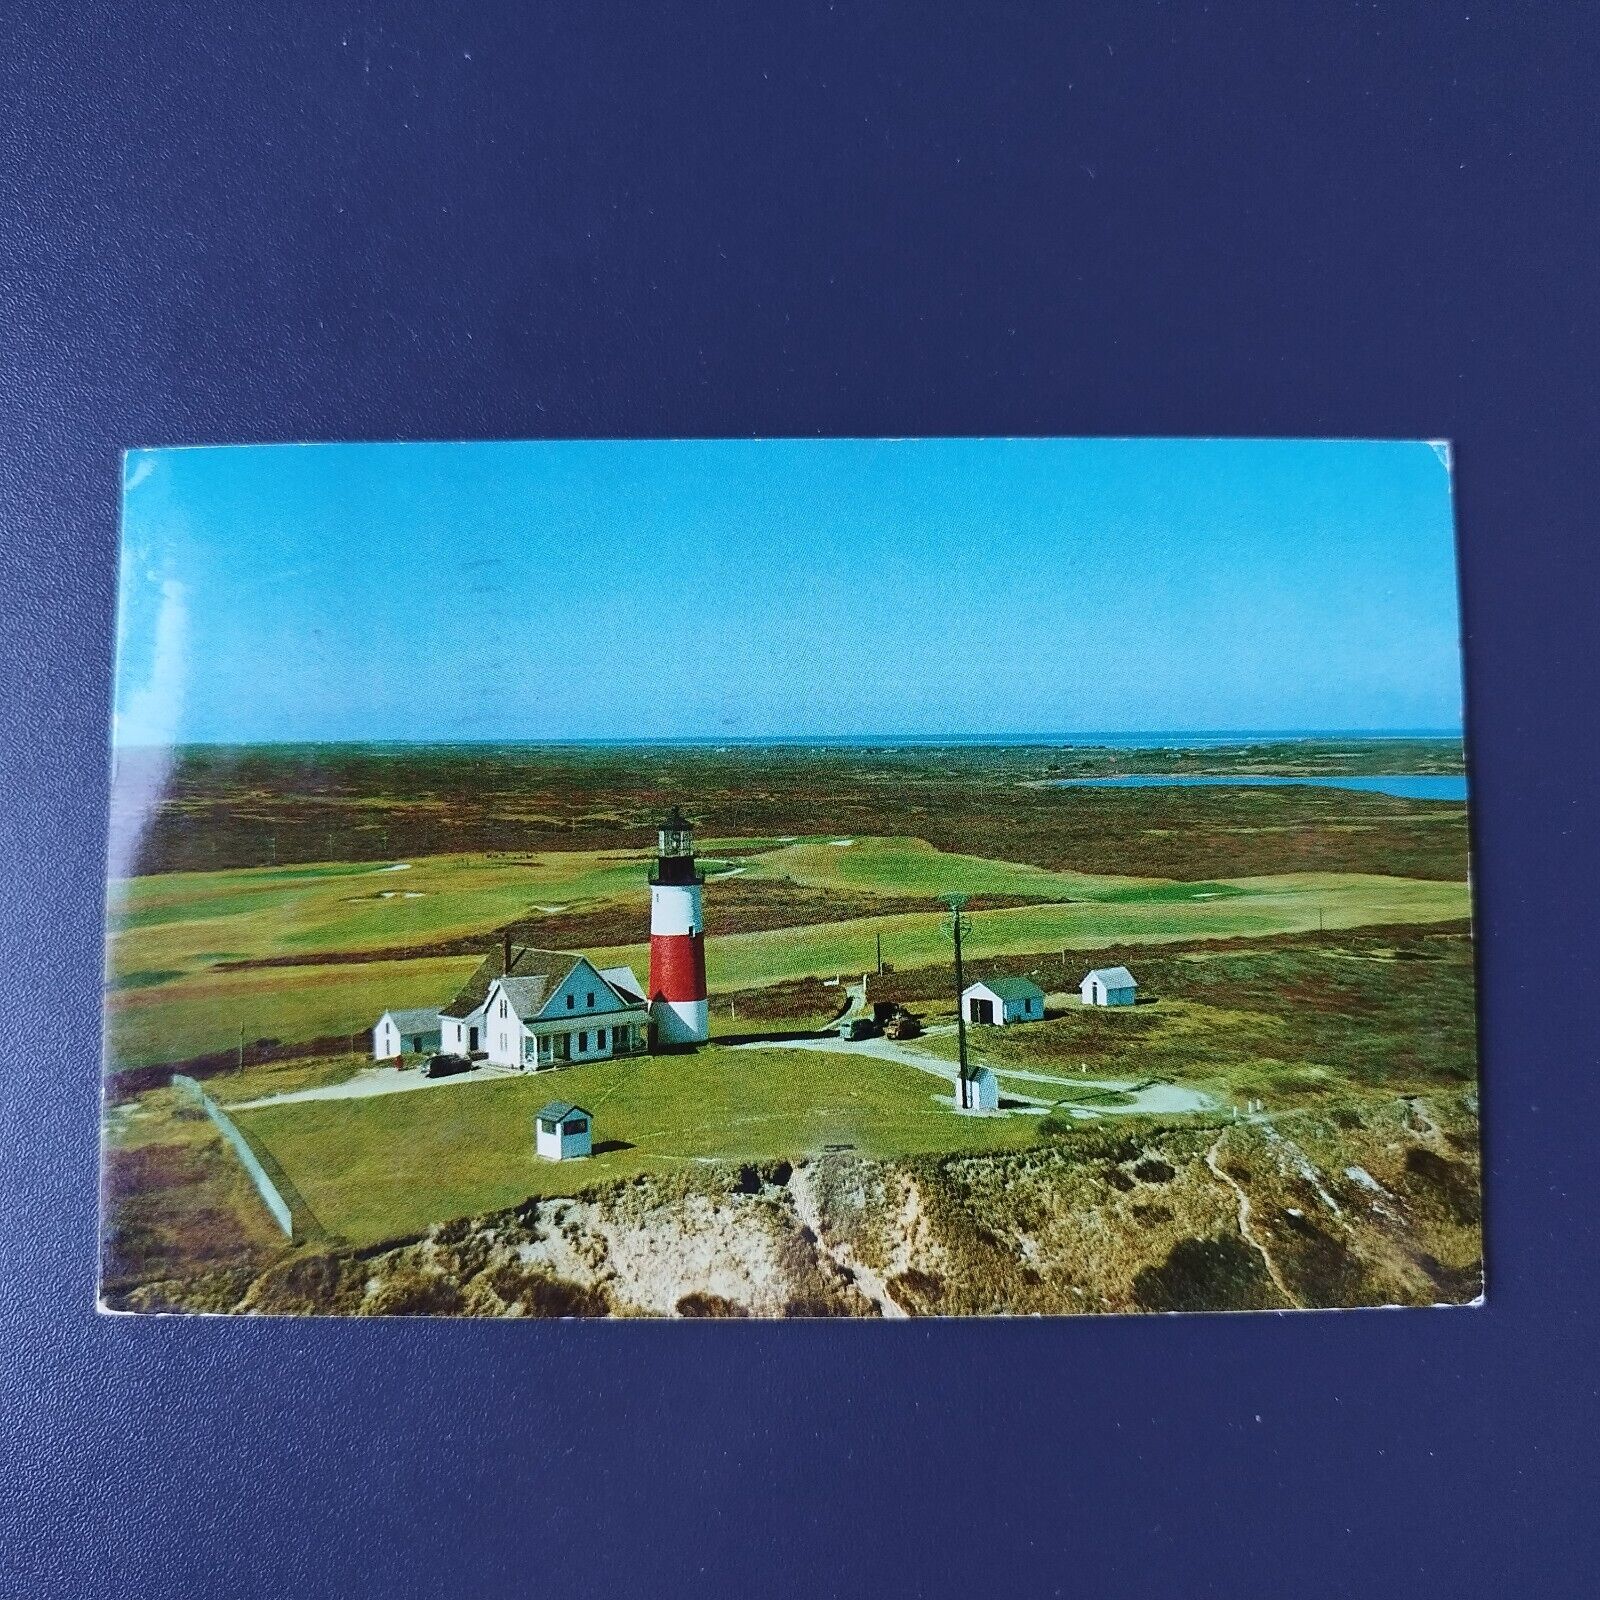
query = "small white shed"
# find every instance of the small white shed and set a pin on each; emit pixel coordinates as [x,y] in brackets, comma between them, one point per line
[562,1131]
[1003,1000]
[1109,986]
[405,1033]
[982,1092]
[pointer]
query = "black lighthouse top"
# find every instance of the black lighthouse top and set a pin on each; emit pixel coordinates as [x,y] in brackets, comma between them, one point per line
[675,861]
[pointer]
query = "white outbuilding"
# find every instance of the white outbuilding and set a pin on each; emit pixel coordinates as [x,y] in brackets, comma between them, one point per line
[982,1092]
[1109,986]
[562,1131]
[405,1033]
[1003,1000]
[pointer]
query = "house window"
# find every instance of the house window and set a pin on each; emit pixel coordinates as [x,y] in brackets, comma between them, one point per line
[502,1005]
[590,1001]
[572,1000]
[577,1125]
[583,1041]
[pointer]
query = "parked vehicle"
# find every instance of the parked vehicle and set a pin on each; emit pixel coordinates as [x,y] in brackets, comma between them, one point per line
[902,1025]
[857,1028]
[445,1065]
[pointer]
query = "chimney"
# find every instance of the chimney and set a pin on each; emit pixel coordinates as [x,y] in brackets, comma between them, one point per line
[505,953]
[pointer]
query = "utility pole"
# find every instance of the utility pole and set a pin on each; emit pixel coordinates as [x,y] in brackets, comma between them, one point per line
[240,1067]
[880,955]
[956,903]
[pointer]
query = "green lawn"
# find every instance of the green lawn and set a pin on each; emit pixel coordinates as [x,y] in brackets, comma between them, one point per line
[203,1012]
[186,920]
[388,1165]
[912,866]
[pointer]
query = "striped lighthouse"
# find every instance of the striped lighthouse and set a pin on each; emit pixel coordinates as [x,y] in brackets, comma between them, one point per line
[677,938]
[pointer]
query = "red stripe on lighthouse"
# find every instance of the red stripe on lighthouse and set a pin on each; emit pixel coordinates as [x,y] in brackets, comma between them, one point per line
[677,966]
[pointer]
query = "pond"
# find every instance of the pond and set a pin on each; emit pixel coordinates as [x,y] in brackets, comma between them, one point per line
[1407,786]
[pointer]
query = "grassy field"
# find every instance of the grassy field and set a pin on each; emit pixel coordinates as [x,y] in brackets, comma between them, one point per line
[891,866]
[428,853]
[1288,1024]
[206,1011]
[179,922]
[1372,1019]
[181,982]
[1249,908]
[387,1166]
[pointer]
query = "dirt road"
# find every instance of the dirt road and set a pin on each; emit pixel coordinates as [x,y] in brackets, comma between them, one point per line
[371,1081]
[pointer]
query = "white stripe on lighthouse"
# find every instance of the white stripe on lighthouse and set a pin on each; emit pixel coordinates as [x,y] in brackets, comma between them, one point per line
[675,908]
[682,1021]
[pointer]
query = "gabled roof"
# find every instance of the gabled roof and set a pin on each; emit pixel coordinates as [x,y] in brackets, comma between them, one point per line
[623,981]
[424,1017]
[529,994]
[1010,988]
[1113,977]
[525,962]
[559,1111]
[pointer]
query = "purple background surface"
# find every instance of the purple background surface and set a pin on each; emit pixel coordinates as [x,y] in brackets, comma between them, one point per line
[241,222]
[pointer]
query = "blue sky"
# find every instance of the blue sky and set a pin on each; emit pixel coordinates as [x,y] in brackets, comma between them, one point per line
[788,588]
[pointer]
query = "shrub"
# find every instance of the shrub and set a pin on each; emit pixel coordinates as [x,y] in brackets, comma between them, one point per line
[699,1304]
[1222,1274]
[407,1292]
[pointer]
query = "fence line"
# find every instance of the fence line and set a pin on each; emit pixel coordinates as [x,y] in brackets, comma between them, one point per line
[265,1187]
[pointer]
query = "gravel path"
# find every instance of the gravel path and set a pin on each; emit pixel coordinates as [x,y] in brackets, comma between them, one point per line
[1160,1098]
[374,1080]
[1222,1174]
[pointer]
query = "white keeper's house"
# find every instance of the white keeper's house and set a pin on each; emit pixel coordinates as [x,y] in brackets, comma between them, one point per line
[527,1009]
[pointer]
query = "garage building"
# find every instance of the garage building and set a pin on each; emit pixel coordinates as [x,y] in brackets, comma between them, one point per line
[1003,1000]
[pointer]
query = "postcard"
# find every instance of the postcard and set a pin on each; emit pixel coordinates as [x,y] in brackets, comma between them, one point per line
[789,878]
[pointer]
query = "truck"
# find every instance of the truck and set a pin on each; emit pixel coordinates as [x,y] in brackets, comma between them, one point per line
[901,1025]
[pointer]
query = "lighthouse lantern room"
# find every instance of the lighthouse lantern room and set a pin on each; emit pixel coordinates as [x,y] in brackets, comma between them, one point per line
[678,1009]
